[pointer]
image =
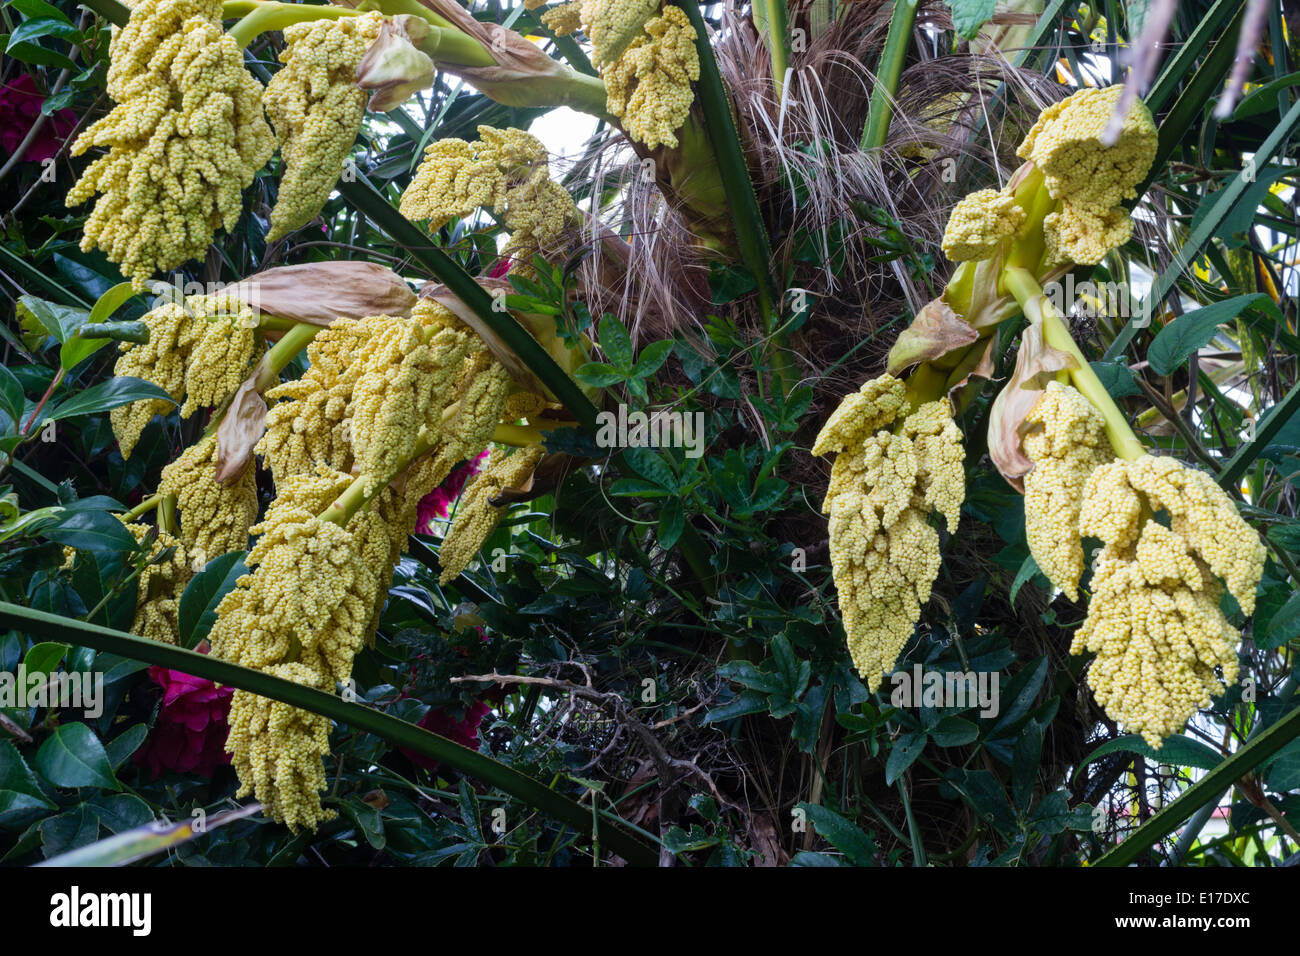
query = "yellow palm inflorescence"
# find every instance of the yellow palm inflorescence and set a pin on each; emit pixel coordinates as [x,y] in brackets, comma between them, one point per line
[979,223]
[199,351]
[1163,645]
[892,470]
[649,86]
[186,137]
[1089,177]
[304,609]
[477,517]
[1065,438]
[161,582]
[505,171]
[215,518]
[316,109]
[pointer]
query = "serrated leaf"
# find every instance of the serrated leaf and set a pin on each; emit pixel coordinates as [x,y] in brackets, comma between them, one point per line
[857,846]
[615,341]
[1117,378]
[20,794]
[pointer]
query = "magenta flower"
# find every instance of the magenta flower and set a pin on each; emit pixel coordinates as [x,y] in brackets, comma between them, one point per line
[437,503]
[463,731]
[189,735]
[20,105]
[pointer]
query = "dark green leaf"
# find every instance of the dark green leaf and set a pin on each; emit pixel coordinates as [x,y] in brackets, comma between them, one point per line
[1180,338]
[857,846]
[903,754]
[1178,751]
[20,794]
[74,757]
[197,611]
[615,341]
[120,390]
[90,531]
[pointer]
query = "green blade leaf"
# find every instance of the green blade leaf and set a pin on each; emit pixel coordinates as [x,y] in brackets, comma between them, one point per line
[400,733]
[1253,754]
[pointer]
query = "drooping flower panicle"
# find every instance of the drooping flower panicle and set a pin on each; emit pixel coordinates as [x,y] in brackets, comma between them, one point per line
[892,469]
[186,137]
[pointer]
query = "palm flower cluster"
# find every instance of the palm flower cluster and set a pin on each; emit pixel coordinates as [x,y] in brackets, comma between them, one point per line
[389,406]
[302,614]
[505,171]
[199,350]
[1065,438]
[1163,645]
[162,579]
[1078,189]
[1170,534]
[316,109]
[478,515]
[646,56]
[896,461]
[649,86]
[186,136]
[215,517]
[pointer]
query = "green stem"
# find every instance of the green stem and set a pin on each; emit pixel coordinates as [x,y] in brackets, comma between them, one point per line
[276,16]
[1029,294]
[397,732]
[147,505]
[888,72]
[778,42]
[278,357]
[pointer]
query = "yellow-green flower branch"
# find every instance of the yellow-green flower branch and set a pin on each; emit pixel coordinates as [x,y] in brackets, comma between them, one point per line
[273,15]
[1039,310]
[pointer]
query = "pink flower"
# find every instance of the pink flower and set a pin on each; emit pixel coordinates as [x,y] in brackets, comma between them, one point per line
[437,503]
[20,105]
[463,731]
[189,735]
